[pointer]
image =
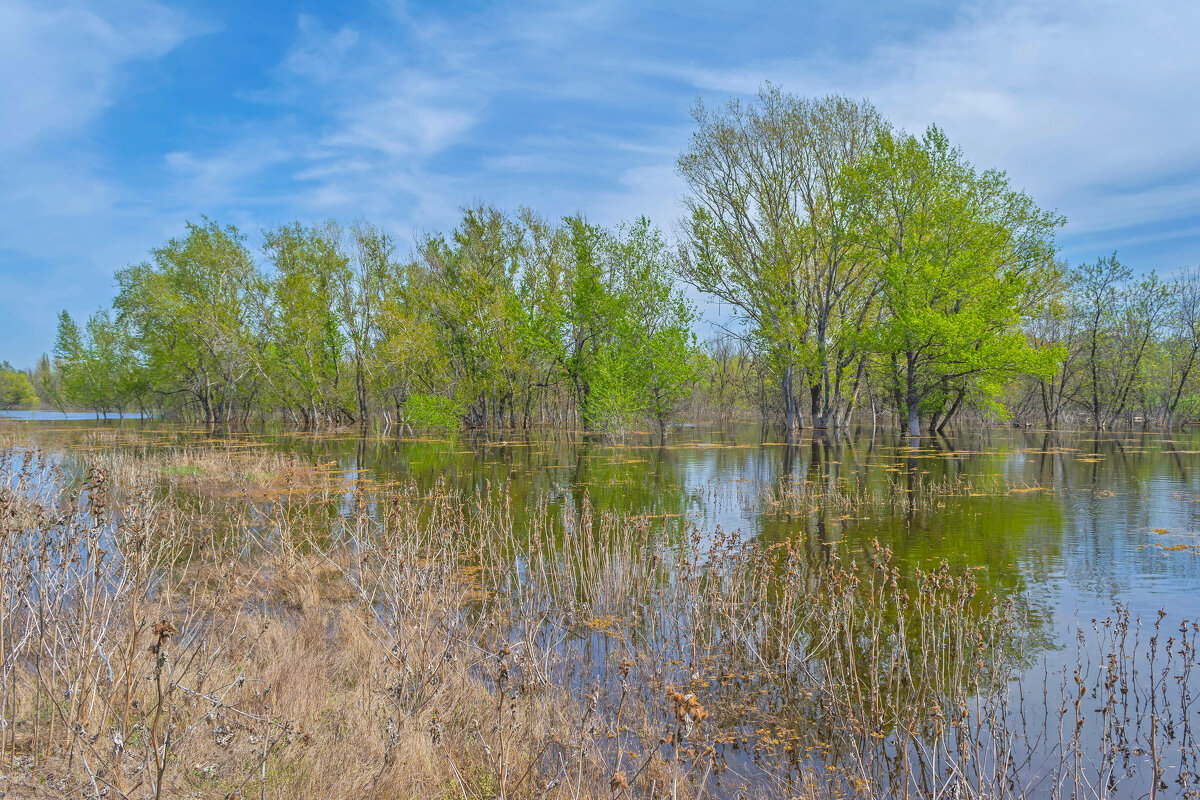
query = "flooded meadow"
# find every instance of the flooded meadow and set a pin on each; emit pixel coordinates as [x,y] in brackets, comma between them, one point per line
[209,613]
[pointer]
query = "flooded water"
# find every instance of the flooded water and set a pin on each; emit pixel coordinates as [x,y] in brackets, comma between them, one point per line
[50,415]
[1071,522]
[1070,525]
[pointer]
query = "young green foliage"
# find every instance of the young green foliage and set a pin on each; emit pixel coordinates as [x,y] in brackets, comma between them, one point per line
[961,256]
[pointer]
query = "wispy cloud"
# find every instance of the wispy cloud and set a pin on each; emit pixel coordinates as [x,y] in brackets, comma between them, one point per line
[1088,105]
[62,63]
[402,112]
[64,66]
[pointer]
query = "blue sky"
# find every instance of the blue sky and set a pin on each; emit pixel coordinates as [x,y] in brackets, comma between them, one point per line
[121,119]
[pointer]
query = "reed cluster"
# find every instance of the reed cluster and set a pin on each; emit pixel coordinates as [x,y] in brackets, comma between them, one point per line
[355,640]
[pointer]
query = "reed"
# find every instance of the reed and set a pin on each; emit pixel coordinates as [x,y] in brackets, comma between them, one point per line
[325,639]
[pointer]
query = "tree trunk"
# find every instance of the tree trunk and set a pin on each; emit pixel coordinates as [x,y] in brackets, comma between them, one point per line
[789,405]
[912,402]
[953,410]
[360,387]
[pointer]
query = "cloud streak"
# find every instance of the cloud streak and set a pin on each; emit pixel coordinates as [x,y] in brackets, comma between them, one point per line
[1089,106]
[63,63]
[403,113]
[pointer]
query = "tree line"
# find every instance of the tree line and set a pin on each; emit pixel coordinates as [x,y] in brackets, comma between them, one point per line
[509,321]
[859,269]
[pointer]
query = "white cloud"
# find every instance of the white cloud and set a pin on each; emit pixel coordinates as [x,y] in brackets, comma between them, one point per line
[1093,107]
[65,219]
[351,123]
[62,62]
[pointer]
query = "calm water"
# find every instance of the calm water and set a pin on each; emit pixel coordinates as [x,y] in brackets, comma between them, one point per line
[1072,522]
[50,415]
[1067,523]
[1075,521]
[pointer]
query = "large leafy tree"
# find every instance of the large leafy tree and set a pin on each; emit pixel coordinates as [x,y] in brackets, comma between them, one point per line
[771,233]
[962,257]
[592,308]
[305,341]
[653,342]
[466,285]
[192,311]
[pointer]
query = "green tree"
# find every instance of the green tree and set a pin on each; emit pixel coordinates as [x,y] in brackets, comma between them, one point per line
[1182,348]
[1057,326]
[466,287]
[16,390]
[98,365]
[653,339]
[70,364]
[305,343]
[1121,320]
[372,261]
[196,320]
[771,232]
[47,382]
[962,257]
[591,311]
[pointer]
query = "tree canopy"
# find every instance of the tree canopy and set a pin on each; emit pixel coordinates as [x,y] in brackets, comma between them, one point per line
[856,265]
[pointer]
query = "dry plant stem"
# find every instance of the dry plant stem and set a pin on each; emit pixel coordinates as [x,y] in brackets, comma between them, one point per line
[466,650]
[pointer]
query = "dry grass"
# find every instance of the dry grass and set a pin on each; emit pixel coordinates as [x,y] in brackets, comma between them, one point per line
[141,661]
[158,640]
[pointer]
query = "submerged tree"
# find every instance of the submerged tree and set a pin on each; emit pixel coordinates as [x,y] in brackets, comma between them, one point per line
[305,345]
[1056,326]
[962,256]
[647,362]
[98,367]
[1181,351]
[1120,320]
[193,313]
[769,231]
[859,261]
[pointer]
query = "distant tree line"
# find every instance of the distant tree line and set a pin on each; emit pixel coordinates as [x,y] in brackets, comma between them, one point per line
[16,388]
[507,321]
[861,270]
[1125,349]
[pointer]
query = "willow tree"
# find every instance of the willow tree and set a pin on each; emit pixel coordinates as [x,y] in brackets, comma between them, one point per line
[305,343]
[97,365]
[963,258]
[770,232]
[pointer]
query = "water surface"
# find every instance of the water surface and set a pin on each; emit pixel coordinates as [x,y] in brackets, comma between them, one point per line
[1067,524]
[1072,521]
